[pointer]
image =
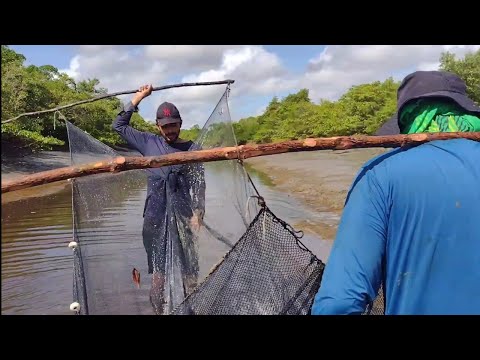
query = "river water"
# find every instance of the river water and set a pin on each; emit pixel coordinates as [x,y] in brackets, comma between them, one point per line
[37,265]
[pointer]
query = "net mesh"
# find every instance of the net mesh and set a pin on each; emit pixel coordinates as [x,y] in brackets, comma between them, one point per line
[184,239]
[377,307]
[268,272]
[120,240]
[105,213]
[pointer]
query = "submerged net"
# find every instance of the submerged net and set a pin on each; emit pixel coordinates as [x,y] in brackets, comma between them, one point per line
[184,239]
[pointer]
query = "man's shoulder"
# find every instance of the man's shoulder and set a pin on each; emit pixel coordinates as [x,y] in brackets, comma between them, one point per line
[370,165]
[409,164]
[420,152]
[456,145]
[389,165]
[416,157]
[410,160]
[151,137]
[154,142]
[379,161]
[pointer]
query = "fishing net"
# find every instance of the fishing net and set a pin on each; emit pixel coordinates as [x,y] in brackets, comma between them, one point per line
[377,307]
[268,272]
[105,229]
[183,239]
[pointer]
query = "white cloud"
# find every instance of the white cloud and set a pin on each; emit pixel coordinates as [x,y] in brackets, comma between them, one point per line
[428,66]
[119,68]
[337,68]
[72,71]
[256,71]
[193,57]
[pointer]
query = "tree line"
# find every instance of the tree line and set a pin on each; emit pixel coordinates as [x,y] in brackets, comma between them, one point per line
[360,110]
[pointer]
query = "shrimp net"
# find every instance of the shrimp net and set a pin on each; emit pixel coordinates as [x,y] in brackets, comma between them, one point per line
[183,239]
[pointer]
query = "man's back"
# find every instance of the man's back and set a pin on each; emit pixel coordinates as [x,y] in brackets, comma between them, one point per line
[433,246]
[419,211]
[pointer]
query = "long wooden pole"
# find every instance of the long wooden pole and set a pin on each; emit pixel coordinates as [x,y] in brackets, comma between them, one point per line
[100,97]
[228,153]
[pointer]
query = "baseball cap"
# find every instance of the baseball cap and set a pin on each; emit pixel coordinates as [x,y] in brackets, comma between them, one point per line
[167,113]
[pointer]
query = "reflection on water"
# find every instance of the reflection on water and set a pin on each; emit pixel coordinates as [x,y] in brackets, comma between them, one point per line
[36,262]
[37,265]
[42,161]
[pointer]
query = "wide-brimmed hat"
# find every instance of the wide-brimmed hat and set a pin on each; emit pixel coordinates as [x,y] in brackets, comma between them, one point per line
[428,84]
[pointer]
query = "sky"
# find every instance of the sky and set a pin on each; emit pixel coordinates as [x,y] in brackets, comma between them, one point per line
[260,71]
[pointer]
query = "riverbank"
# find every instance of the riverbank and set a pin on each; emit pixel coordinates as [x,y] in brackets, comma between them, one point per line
[306,190]
[319,179]
[37,227]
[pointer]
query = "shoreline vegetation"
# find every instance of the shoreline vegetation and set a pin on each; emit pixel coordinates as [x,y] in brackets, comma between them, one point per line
[361,110]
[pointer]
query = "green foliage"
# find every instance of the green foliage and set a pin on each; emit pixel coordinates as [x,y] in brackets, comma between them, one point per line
[467,68]
[35,88]
[190,134]
[367,106]
[246,129]
[28,138]
[10,56]
[361,110]
[217,135]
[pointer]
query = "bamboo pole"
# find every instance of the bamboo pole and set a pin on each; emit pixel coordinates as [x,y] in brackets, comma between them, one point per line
[121,163]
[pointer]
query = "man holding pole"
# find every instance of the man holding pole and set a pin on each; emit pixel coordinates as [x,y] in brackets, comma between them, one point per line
[172,214]
[411,218]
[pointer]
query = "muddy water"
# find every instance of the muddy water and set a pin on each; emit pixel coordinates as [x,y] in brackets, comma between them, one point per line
[320,180]
[303,189]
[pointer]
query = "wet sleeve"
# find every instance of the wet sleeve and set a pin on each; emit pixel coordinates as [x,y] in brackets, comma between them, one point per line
[136,139]
[353,272]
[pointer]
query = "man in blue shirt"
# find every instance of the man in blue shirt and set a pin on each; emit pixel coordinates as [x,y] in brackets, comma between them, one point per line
[174,206]
[411,222]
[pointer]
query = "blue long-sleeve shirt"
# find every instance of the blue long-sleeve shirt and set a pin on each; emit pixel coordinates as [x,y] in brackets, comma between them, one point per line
[180,179]
[411,221]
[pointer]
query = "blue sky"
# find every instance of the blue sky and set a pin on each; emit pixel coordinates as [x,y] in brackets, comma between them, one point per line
[260,71]
[60,55]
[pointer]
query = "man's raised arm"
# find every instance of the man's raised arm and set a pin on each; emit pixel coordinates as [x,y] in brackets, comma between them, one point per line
[136,139]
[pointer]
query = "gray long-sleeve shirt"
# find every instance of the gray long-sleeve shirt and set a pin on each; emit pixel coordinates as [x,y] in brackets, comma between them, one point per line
[180,179]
